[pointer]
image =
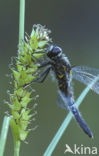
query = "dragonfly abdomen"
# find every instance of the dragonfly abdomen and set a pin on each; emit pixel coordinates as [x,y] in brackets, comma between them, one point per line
[80,121]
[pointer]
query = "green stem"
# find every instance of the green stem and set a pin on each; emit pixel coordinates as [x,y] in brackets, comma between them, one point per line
[4,133]
[67,120]
[21,20]
[21,37]
[17,144]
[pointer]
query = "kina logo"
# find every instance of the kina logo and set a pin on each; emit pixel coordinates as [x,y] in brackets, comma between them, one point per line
[81,150]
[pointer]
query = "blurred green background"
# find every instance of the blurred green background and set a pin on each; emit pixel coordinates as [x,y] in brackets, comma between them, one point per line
[75,28]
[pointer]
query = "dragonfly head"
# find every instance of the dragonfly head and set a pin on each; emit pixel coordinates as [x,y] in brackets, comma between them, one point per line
[54,51]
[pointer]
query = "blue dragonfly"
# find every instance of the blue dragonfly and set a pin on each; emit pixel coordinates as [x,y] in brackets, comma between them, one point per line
[59,64]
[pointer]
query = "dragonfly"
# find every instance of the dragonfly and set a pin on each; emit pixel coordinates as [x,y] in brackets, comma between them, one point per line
[59,64]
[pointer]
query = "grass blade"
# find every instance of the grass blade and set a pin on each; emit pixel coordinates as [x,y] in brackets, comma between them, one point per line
[4,132]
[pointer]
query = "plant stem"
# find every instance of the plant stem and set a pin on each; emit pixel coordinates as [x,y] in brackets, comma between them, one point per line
[21,20]
[4,132]
[16,147]
[67,120]
[21,37]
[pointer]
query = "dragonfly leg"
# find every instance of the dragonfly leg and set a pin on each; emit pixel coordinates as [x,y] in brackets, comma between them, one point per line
[35,59]
[44,64]
[41,64]
[43,76]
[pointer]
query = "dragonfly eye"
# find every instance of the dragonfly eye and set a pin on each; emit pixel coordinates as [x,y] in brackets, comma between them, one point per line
[54,51]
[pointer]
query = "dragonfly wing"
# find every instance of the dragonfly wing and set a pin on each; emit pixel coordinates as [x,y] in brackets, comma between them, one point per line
[61,101]
[86,75]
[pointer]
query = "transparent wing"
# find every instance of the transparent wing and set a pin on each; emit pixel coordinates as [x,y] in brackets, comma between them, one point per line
[86,75]
[60,101]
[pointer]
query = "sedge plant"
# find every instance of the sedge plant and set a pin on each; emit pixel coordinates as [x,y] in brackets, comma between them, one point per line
[24,73]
